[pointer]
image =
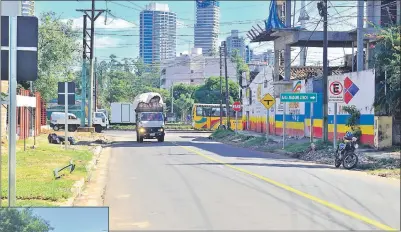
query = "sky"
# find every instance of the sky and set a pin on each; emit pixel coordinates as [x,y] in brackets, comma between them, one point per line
[119,36]
[77,219]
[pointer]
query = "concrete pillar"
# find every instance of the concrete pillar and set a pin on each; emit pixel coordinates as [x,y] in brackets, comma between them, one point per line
[360,35]
[287,51]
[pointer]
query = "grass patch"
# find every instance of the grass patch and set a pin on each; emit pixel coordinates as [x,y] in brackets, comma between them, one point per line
[35,180]
[297,147]
[255,141]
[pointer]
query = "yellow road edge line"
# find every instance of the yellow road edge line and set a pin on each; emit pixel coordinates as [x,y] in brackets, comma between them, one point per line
[298,192]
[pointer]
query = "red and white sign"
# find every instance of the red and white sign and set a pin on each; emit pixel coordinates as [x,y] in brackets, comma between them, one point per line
[336,92]
[237,106]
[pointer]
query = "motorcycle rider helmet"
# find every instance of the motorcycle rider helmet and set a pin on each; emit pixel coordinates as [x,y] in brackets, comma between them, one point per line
[348,135]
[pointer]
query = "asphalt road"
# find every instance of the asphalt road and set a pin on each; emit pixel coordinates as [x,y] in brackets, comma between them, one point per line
[189,182]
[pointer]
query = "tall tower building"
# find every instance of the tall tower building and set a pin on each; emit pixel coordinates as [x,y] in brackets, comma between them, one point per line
[234,42]
[158,32]
[207,26]
[27,8]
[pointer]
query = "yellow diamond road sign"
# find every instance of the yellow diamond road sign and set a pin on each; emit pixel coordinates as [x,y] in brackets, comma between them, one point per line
[268,101]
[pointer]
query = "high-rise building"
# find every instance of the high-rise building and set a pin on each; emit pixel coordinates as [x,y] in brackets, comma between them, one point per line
[27,8]
[207,26]
[18,8]
[158,29]
[248,55]
[234,42]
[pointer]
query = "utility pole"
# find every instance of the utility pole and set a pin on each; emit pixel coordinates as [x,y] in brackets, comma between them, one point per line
[221,85]
[322,6]
[227,93]
[96,87]
[92,14]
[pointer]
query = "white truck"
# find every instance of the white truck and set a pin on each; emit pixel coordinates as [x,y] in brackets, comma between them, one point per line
[122,113]
[57,121]
[149,117]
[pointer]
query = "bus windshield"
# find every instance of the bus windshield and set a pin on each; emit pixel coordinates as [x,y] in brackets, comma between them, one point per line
[149,116]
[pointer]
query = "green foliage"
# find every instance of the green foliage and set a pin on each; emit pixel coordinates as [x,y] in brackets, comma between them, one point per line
[241,66]
[22,220]
[209,93]
[353,120]
[184,103]
[388,58]
[58,51]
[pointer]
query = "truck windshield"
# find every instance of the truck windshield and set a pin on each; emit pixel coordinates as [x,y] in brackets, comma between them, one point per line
[151,117]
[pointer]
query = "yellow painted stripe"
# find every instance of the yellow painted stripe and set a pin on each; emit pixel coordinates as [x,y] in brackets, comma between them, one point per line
[366,129]
[300,193]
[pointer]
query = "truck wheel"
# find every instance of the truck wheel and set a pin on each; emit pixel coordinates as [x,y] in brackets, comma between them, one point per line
[160,139]
[56,128]
[98,128]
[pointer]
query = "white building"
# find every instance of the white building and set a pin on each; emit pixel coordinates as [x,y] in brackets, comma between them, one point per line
[234,42]
[158,28]
[207,26]
[193,69]
[18,8]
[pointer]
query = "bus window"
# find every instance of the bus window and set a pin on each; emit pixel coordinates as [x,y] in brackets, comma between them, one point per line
[199,111]
[207,111]
[215,112]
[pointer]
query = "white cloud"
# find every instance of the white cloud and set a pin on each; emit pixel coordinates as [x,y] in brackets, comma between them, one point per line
[111,23]
[104,42]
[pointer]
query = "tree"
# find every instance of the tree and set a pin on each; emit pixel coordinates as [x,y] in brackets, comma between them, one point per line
[184,104]
[209,93]
[387,61]
[22,220]
[58,52]
[240,66]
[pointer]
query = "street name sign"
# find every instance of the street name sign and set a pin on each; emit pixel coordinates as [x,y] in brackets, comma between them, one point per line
[298,97]
[268,101]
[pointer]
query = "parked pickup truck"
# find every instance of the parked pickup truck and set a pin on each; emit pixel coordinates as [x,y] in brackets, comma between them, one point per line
[57,121]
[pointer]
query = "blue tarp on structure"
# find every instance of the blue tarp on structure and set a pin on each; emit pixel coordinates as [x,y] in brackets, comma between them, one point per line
[273,21]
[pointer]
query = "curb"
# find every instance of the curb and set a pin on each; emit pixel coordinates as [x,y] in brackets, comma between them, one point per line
[80,184]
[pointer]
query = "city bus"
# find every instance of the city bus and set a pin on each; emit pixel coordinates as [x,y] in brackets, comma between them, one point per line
[207,116]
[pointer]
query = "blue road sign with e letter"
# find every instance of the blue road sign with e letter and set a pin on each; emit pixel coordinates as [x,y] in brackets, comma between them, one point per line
[298,97]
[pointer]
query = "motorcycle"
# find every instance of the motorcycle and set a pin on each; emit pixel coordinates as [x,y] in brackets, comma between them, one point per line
[345,153]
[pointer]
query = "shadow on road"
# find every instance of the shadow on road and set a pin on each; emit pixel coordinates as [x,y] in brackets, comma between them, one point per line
[223,150]
[294,165]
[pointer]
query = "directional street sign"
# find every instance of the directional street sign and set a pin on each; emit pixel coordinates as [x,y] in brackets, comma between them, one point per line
[27,48]
[298,97]
[268,101]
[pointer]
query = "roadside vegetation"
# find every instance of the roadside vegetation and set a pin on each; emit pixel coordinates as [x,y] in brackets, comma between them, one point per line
[320,152]
[36,184]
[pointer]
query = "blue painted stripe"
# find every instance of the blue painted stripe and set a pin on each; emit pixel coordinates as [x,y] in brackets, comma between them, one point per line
[366,119]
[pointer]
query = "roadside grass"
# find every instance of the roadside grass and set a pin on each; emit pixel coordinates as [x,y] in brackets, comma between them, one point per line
[35,183]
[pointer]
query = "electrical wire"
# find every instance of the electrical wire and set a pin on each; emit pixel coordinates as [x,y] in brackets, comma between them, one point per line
[289,65]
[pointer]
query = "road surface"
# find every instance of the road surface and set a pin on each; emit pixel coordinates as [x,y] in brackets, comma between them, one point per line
[192,183]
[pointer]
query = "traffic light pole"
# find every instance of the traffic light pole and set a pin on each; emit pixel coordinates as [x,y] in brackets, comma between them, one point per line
[221,86]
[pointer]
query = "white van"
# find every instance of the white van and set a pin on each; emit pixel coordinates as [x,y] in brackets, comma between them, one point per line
[57,121]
